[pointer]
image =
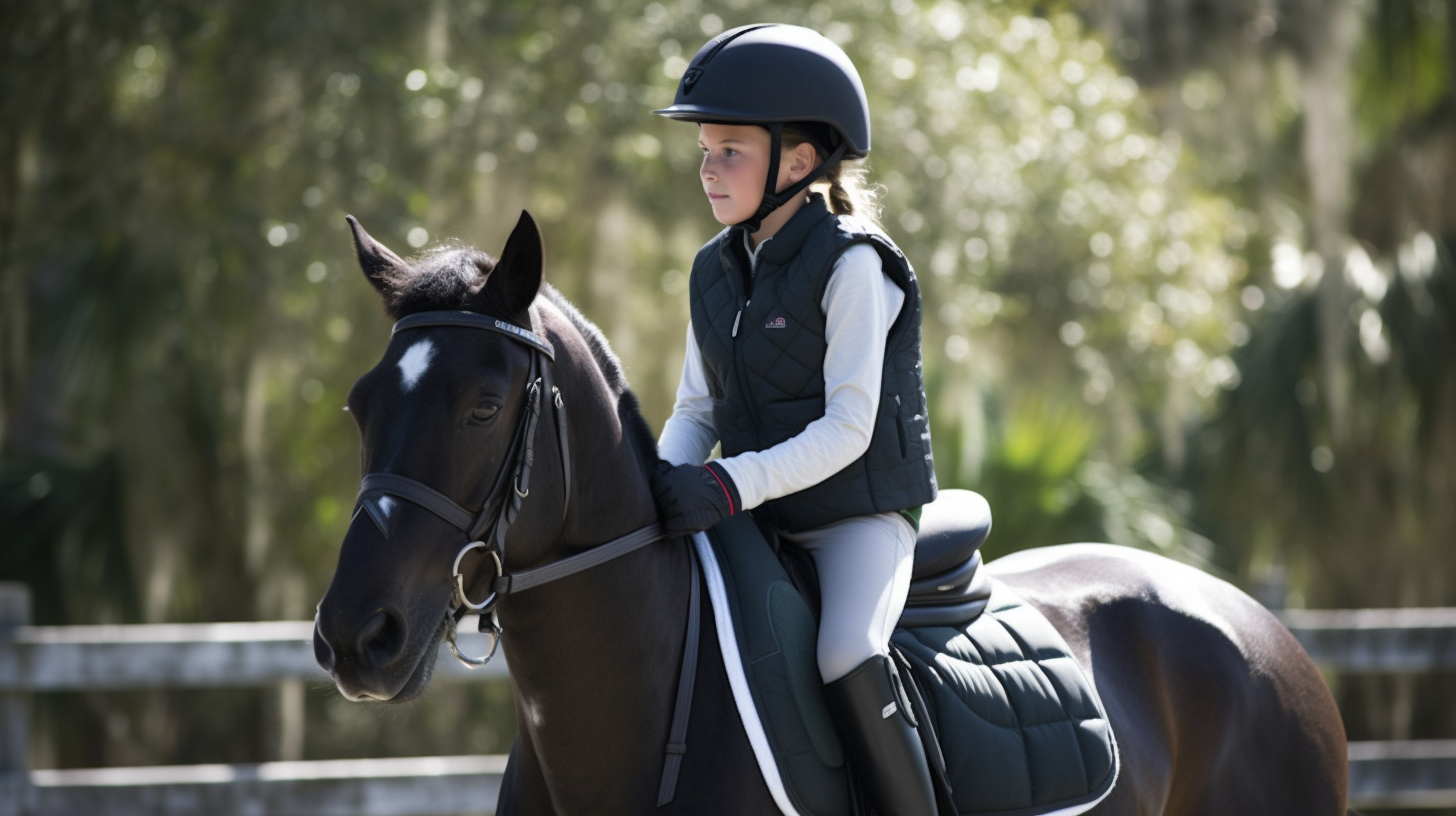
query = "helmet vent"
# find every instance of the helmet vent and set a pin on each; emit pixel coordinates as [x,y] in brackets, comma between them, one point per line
[690,79]
[696,72]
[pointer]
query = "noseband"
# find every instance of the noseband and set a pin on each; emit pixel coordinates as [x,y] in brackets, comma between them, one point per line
[487,528]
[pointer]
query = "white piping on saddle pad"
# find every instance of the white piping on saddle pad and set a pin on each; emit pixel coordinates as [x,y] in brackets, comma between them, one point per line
[737,680]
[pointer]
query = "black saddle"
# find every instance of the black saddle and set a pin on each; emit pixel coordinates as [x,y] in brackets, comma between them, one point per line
[947,586]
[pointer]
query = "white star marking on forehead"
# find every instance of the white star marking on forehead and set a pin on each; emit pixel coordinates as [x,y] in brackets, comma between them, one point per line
[414,362]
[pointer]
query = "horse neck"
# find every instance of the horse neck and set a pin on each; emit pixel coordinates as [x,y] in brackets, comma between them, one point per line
[609,451]
[594,657]
[594,666]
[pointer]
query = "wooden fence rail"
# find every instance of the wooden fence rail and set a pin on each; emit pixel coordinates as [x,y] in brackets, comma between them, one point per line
[40,658]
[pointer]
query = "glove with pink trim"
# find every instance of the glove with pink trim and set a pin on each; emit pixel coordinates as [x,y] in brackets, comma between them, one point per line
[691,498]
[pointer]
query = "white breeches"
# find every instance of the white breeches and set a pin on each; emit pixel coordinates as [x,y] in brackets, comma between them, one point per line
[864,568]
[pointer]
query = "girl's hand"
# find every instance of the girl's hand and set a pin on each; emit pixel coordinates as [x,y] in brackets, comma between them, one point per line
[691,498]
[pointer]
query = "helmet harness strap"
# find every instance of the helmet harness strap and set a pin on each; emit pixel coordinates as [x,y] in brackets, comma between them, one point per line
[772,198]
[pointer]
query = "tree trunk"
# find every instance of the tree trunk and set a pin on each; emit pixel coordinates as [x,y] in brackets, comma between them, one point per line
[1326,153]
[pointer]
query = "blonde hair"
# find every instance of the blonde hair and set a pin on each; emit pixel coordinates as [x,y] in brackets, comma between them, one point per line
[845,185]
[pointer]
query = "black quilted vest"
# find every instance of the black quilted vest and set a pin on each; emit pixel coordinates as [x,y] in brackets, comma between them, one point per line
[762,336]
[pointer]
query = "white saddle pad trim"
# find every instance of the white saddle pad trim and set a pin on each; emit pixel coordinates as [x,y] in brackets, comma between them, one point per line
[737,680]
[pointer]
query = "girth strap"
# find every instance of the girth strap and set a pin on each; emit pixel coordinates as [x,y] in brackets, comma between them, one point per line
[677,733]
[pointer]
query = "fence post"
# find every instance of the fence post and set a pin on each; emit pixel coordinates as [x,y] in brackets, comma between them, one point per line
[14,707]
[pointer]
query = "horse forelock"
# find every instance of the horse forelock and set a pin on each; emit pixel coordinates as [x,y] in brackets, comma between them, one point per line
[449,276]
[442,277]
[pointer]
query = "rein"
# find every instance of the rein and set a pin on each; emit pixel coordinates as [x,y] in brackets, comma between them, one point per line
[487,528]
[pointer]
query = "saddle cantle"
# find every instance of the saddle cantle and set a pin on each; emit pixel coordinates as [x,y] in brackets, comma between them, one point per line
[947,587]
[1012,724]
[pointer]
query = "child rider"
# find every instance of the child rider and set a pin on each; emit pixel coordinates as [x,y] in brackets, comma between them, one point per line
[803,362]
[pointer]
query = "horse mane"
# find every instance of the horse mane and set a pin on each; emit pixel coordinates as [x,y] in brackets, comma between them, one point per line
[606,359]
[628,409]
[448,276]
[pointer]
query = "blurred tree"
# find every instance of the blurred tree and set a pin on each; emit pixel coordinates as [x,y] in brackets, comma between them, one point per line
[1330,460]
[1098,220]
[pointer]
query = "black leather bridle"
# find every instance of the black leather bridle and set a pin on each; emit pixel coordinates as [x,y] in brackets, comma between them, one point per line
[487,528]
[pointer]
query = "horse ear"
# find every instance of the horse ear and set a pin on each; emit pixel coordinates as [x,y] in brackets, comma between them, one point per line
[381,266]
[517,275]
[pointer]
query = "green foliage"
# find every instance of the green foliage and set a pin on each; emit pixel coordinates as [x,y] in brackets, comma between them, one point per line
[181,316]
[1404,69]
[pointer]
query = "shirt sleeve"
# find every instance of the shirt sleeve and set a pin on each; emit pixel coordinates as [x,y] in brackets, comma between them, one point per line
[859,296]
[688,436]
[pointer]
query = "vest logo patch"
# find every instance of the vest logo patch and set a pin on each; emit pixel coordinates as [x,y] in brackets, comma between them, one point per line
[776,323]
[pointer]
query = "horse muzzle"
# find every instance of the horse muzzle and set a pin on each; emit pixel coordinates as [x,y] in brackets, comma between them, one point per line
[376,660]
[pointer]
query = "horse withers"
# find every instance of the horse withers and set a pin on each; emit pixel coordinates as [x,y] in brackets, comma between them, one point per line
[506,469]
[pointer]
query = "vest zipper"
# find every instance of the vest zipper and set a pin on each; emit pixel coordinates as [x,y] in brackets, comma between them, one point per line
[747,291]
[739,317]
[737,350]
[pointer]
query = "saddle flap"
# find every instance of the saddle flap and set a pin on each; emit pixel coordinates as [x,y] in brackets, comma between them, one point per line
[952,528]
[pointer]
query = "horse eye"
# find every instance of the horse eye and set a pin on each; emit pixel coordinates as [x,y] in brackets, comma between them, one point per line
[485,413]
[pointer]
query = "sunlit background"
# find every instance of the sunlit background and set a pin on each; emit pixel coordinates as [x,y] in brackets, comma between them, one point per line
[1186,268]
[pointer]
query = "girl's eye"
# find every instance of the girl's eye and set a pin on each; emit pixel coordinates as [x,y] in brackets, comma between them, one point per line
[485,413]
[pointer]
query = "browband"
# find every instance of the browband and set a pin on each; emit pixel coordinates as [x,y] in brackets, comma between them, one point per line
[475,320]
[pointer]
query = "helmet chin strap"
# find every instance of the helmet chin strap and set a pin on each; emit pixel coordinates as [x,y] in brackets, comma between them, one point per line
[772,198]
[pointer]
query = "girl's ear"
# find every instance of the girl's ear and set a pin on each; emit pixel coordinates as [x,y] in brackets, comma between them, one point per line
[801,159]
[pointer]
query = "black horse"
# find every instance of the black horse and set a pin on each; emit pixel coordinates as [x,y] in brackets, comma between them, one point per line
[496,395]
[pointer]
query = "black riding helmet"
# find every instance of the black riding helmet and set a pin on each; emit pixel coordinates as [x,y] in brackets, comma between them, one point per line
[771,75]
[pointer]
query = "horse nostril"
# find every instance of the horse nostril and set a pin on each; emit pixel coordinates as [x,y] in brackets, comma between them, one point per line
[383,638]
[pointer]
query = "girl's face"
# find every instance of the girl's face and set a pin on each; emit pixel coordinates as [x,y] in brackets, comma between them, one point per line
[735,165]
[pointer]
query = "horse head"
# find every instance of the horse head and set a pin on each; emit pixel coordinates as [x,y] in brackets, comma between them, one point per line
[445,419]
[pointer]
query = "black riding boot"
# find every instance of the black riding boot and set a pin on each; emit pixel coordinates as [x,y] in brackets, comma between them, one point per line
[884,750]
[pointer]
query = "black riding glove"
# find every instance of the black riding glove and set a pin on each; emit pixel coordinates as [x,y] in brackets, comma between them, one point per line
[693,497]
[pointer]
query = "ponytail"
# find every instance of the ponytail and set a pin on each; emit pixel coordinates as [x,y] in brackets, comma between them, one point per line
[844,184]
[850,194]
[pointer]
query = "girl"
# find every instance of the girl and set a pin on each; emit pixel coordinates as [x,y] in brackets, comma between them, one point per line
[803,362]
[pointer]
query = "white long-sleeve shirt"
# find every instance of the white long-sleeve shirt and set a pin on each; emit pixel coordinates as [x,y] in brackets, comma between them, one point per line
[859,295]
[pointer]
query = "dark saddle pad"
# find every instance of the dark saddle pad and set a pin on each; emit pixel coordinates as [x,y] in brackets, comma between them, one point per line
[1012,725]
[1018,725]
